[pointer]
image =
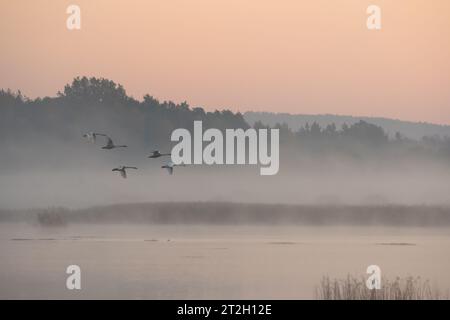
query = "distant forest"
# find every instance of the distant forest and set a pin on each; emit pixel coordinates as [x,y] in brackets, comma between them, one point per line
[97,104]
[393,127]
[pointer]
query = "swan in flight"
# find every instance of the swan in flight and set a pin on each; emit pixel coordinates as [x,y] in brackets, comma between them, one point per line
[157,154]
[110,145]
[92,136]
[170,165]
[122,170]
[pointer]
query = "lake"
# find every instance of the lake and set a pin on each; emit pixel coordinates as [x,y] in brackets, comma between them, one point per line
[125,261]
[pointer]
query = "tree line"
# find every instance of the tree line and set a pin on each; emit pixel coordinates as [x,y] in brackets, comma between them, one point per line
[100,104]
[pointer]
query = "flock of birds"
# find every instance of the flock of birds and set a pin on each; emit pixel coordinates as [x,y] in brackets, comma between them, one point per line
[92,137]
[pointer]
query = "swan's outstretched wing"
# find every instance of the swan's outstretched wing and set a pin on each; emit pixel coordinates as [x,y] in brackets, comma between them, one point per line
[109,142]
[89,137]
[92,136]
[95,134]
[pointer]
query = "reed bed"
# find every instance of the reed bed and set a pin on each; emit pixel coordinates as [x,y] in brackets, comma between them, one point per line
[354,288]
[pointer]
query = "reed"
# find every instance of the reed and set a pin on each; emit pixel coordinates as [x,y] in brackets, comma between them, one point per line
[354,288]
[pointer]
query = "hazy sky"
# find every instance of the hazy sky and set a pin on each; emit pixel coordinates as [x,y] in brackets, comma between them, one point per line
[295,56]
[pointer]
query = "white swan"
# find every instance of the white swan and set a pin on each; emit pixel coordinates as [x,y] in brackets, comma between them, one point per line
[110,145]
[122,170]
[170,165]
[157,154]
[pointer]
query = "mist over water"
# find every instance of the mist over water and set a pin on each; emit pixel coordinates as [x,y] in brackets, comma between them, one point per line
[93,183]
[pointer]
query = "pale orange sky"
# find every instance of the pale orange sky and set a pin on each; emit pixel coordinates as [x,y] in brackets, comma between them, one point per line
[314,56]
